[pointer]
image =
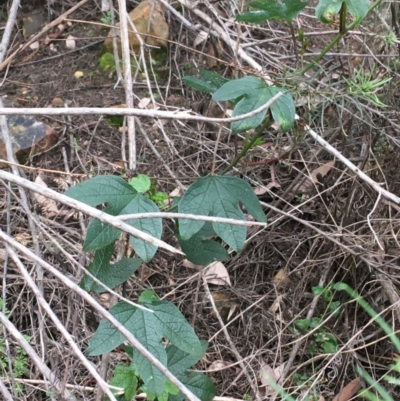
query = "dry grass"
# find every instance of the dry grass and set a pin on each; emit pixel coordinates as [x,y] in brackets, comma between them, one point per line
[333,231]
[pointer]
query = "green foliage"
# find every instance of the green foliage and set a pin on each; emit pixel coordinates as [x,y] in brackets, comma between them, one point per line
[107,62]
[209,82]
[109,275]
[383,395]
[287,10]
[19,361]
[247,94]
[166,322]
[201,249]
[363,86]
[141,183]
[270,9]
[106,19]
[219,196]
[327,9]
[121,198]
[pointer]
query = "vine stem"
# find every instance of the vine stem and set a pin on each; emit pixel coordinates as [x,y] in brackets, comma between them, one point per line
[335,40]
[247,146]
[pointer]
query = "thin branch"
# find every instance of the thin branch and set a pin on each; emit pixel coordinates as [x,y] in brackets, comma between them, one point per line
[60,327]
[44,370]
[103,312]
[167,215]
[168,115]
[11,18]
[91,211]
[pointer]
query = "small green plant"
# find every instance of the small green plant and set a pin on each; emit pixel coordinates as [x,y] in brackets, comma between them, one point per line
[143,184]
[380,393]
[106,19]
[107,62]
[362,85]
[211,196]
[184,350]
[246,94]
[19,363]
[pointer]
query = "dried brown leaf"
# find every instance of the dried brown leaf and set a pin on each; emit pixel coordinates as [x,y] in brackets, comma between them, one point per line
[309,182]
[349,391]
[217,274]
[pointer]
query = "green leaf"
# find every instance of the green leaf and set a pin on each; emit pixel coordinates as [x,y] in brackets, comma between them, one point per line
[283,110]
[248,103]
[200,385]
[253,17]
[358,8]
[209,82]
[141,183]
[213,78]
[199,84]
[219,196]
[170,323]
[145,326]
[285,9]
[121,198]
[202,251]
[179,361]
[327,9]
[100,234]
[142,204]
[110,275]
[148,296]
[103,189]
[238,87]
[124,376]
[107,337]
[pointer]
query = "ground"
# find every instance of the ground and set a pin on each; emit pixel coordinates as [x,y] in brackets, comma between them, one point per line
[319,233]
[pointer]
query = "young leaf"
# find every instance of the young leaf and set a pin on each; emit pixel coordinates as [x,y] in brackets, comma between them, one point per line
[285,10]
[148,296]
[218,196]
[141,183]
[124,376]
[238,87]
[107,337]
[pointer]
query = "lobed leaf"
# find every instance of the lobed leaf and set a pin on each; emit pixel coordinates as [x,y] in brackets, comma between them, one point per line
[218,196]
[107,337]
